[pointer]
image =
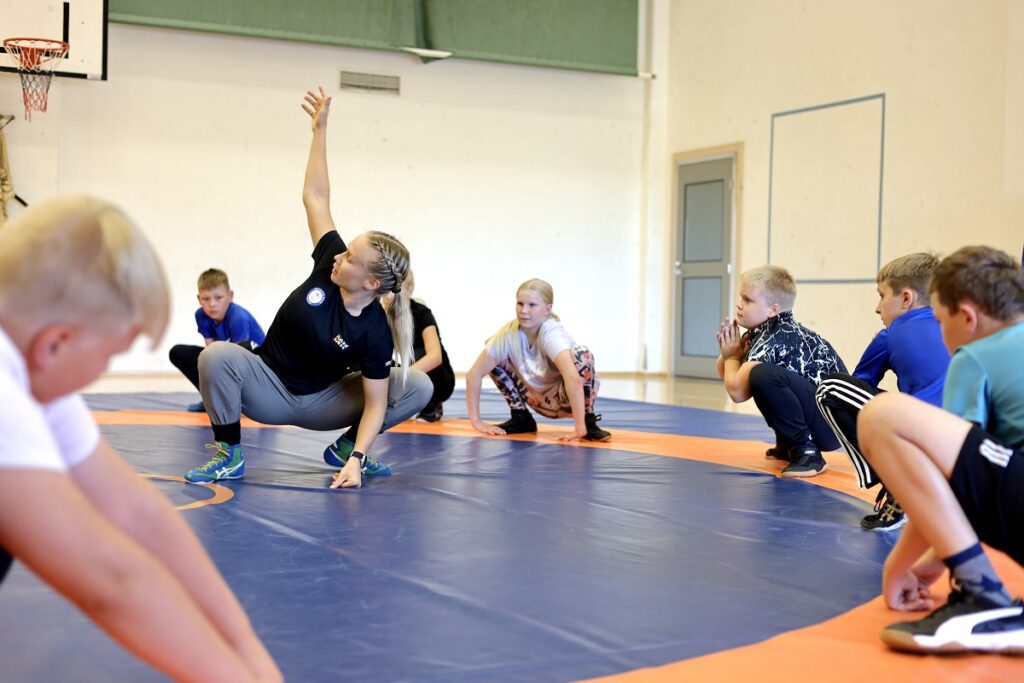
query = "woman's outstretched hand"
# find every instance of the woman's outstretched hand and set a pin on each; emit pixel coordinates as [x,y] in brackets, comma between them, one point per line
[318,106]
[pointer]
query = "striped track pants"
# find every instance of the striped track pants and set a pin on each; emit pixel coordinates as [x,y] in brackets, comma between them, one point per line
[840,398]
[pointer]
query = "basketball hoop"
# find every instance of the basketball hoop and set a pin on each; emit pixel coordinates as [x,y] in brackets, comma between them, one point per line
[36,59]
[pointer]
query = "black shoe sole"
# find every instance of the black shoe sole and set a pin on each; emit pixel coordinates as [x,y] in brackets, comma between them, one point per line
[803,474]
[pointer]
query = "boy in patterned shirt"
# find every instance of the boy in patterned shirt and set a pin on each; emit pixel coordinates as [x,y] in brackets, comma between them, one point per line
[779,363]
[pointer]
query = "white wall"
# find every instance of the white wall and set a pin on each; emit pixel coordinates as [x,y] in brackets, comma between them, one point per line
[952,76]
[496,173]
[491,174]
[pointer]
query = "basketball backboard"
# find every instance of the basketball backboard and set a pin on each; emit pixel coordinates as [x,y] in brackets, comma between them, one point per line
[80,23]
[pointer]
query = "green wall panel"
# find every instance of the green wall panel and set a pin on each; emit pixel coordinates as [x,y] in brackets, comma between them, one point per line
[589,35]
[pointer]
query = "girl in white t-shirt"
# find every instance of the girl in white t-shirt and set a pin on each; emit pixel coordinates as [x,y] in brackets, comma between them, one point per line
[534,362]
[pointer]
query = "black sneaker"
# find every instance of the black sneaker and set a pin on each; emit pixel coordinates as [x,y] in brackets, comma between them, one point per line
[888,516]
[966,623]
[805,461]
[431,414]
[777,452]
[521,422]
[595,433]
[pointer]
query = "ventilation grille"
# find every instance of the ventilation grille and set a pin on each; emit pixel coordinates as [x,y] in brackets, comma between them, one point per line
[353,80]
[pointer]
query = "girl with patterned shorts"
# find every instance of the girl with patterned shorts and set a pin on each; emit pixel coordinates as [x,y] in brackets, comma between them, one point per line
[536,364]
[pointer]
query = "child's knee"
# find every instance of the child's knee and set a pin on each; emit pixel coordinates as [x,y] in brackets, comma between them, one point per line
[761,378]
[876,418]
[176,354]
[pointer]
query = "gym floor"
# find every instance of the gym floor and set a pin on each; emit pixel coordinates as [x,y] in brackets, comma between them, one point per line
[672,553]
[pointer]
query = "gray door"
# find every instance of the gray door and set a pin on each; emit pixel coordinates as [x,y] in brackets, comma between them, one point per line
[703,224]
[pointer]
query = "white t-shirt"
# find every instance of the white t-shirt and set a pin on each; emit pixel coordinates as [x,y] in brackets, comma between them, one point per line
[54,436]
[536,364]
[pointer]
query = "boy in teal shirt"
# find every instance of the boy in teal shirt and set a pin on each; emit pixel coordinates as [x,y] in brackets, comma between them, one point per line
[960,479]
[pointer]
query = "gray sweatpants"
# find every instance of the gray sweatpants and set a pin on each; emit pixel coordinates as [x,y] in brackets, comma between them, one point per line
[235,381]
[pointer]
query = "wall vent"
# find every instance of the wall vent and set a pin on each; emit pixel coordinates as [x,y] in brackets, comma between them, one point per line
[353,80]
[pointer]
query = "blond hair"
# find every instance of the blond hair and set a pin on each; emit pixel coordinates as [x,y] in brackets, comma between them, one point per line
[505,340]
[775,283]
[912,272]
[390,269]
[81,260]
[212,278]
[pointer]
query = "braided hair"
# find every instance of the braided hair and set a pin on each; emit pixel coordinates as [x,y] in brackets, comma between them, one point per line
[390,269]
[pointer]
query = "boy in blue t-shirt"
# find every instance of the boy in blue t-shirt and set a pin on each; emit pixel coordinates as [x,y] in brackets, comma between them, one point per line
[911,346]
[960,477]
[218,318]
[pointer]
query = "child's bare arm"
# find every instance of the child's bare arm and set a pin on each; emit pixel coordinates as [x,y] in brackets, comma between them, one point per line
[139,510]
[733,370]
[48,524]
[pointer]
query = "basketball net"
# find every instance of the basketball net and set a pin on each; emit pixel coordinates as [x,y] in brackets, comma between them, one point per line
[36,58]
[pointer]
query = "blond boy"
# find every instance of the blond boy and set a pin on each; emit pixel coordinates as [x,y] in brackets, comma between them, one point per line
[78,283]
[778,362]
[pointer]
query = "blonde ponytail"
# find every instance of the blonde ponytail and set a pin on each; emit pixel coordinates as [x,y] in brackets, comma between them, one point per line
[391,269]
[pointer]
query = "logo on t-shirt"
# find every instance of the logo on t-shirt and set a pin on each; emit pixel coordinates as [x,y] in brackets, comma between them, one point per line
[315,296]
[340,342]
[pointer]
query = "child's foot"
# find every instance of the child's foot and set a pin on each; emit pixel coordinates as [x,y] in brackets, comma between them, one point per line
[888,516]
[521,422]
[432,414]
[197,407]
[226,463]
[966,623]
[805,461]
[595,433]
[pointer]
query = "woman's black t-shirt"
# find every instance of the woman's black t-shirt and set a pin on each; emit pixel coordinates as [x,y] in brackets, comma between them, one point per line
[313,341]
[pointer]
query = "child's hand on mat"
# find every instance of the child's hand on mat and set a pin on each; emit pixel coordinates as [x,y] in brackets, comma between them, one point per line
[318,106]
[928,570]
[907,593]
[350,476]
[575,436]
[485,428]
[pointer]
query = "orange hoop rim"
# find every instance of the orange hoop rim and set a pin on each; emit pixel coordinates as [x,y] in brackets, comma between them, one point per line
[32,54]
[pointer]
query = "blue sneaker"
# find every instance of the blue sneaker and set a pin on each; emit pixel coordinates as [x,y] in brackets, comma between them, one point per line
[227,463]
[373,468]
[336,455]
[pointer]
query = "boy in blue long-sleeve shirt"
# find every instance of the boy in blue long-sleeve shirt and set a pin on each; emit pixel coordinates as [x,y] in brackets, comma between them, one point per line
[218,318]
[910,345]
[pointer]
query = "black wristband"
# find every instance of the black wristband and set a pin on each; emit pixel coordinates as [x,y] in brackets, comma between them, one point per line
[360,456]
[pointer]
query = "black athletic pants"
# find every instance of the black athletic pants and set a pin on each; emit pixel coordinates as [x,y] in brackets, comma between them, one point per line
[443,380]
[786,400]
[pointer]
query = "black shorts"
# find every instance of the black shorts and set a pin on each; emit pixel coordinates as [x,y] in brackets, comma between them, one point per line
[988,480]
[5,563]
